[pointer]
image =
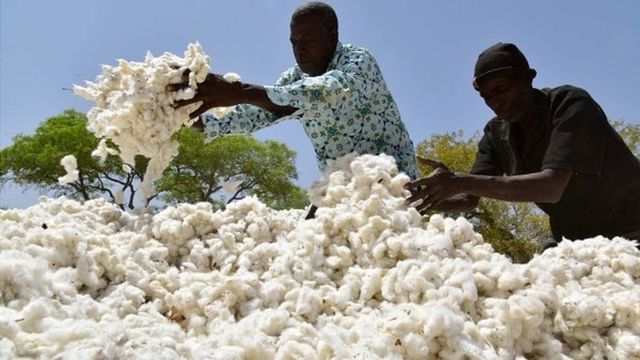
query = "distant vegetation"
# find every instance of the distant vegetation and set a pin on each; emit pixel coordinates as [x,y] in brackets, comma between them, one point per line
[266,169]
[514,229]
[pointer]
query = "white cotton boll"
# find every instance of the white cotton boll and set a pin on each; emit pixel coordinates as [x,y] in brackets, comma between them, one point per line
[626,344]
[296,350]
[576,310]
[89,92]
[274,321]
[415,346]
[442,322]
[34,313]
[371,284]
[229,353]
[231,77]
[102,151]
[71,168]
[22,277]
[511,280]
[496,333]
[307,302]
[399,222]
[440,244]
[628,263]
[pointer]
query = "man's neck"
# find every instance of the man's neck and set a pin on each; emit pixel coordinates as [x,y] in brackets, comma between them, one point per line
[528,118]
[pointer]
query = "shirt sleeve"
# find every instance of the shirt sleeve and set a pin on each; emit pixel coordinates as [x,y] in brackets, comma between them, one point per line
[318,96]
[577,137]
[486,158]
[244,119]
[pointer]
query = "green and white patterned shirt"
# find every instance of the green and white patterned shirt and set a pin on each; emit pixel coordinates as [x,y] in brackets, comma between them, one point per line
[347,109]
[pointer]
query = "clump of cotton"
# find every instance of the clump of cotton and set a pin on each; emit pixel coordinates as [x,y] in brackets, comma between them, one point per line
[365,278]
[70,165]
[103,151]
[134,110]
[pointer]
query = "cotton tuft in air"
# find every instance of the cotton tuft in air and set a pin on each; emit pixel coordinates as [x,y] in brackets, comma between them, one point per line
[367,278]
[70,165]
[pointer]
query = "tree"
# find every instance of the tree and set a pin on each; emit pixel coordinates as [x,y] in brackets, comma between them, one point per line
[630,134]
[34,161]
[264,169]
[201,168]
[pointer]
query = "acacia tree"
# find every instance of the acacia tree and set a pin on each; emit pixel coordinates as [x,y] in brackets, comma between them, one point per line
[197,174]
[202,168]
[33,161]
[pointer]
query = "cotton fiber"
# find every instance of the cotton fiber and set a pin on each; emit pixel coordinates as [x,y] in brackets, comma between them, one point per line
[367,278]
[133,108]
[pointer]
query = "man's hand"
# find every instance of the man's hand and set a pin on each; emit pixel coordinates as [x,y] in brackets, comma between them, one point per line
[214,91]
[434,189]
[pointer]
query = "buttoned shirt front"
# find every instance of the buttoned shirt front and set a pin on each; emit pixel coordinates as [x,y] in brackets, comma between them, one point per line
[347,109]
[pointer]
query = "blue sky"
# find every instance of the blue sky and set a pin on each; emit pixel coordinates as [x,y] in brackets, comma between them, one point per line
[426,50]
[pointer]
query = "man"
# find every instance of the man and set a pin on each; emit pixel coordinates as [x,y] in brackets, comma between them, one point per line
[554,147]
[336,91]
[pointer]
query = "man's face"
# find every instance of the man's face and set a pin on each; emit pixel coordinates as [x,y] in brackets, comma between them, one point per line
[508,97]
[313,44]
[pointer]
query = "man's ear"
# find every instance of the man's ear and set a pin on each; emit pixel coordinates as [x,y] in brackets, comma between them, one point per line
[529,76]
[524,79]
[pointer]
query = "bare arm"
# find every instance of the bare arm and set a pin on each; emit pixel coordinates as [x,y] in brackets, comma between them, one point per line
[459,202]
[444,190]
[545,186]
[216,91]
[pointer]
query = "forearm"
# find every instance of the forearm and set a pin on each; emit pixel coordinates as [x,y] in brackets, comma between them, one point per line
[460,202]
[545,186]
[257,95]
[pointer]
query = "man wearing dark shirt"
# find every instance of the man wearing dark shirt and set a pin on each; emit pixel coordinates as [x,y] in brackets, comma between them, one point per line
[553,147]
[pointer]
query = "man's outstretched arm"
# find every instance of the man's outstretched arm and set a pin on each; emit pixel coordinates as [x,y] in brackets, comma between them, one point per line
[215,91]
[443,189]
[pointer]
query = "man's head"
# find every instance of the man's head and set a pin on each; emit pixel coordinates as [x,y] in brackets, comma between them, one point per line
[503,78]
[314,36]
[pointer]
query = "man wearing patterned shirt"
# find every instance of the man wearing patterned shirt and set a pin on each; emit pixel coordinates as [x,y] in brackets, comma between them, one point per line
[336,91]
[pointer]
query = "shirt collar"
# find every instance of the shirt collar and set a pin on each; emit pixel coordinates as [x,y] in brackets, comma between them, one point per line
[336,55]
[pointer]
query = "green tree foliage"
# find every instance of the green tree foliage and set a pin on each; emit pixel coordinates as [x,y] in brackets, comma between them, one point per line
[630,133]
[513,229]
[33,161]
[199,172]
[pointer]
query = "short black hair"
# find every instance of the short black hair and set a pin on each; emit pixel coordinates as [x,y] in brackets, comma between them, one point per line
[322,11]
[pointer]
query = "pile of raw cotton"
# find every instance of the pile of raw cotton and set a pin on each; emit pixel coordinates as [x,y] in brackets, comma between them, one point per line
[134,110]
[365,279]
